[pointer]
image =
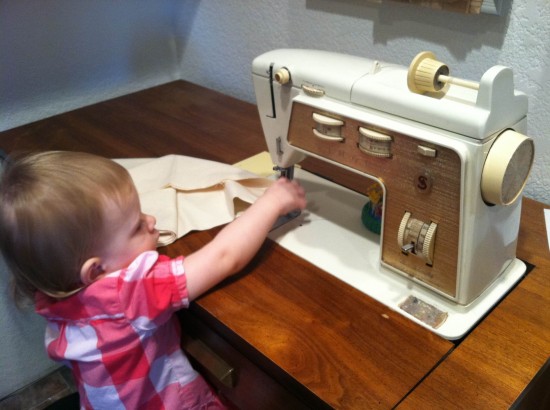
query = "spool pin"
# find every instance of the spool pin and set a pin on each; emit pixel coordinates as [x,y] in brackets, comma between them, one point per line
[426,74]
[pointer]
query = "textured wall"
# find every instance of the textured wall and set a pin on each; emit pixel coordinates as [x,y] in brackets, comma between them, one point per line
[22,355]
[58,55]
[55,56]
[222,38]
[72,54]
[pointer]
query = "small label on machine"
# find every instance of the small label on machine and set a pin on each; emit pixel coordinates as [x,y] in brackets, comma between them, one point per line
[424,312]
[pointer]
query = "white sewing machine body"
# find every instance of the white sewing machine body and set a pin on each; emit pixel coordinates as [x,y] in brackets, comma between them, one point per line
[428,152]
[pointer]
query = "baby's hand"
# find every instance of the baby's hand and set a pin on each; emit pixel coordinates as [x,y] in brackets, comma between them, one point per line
[287,195]
[237,243]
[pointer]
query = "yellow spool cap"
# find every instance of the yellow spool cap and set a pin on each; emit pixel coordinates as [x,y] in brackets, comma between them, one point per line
[424,72]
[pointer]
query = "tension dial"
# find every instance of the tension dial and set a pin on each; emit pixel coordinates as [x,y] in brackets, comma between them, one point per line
[328,128]
[374,143]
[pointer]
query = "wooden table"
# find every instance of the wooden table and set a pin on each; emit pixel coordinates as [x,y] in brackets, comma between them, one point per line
[492,366]
[316,338]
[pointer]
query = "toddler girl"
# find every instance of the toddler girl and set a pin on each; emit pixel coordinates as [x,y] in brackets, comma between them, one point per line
[75,239]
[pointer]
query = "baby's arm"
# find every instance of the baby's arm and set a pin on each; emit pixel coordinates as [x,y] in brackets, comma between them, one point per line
[238,242]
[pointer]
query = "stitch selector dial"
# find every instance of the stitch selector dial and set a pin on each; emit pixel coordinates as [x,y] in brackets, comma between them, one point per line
[417,237]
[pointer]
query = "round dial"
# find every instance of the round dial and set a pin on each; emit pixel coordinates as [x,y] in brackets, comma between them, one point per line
[374,143]
[327,128]
[506,168]
[417,237]
[282,75]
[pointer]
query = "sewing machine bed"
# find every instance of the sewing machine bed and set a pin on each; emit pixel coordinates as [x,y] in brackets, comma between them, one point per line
[330,235]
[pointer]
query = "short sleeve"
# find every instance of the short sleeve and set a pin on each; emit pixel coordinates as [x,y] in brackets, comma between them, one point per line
[152,288]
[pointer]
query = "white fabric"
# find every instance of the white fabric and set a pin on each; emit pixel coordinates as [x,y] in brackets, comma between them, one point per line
[186,193]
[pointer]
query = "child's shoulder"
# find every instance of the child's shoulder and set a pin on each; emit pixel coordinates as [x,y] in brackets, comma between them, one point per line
[149,264]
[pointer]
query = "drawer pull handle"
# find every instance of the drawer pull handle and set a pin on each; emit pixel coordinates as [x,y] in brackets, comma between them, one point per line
[213,363]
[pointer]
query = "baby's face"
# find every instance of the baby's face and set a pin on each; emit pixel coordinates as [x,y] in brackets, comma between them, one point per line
[129,233]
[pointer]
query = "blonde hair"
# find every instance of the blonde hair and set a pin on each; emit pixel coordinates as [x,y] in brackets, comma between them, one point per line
[52,216]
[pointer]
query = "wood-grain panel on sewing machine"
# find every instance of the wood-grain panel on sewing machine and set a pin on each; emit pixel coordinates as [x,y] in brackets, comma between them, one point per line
[399,174]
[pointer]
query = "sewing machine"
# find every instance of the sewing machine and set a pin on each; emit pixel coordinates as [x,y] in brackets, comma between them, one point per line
[449,154]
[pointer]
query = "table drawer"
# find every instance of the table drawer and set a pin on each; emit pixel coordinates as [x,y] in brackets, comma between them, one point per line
[236,378]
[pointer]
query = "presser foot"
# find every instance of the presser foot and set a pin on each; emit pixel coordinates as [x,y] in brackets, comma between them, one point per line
[288,173]
[284,219]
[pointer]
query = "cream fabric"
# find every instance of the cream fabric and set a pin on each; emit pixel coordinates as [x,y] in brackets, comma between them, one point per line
[186,193]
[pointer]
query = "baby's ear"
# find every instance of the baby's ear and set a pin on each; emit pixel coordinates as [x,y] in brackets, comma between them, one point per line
[91,270]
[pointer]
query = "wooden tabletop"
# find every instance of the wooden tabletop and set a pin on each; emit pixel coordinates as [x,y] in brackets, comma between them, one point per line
[300,323]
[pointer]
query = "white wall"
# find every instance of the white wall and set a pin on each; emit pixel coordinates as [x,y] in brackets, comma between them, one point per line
[224,36]
[58,55]
[55,56]
[22,354]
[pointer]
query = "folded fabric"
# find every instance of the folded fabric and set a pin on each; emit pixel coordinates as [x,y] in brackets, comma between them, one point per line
[186,193]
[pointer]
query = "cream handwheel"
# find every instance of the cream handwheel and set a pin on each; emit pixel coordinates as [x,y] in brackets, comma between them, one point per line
[506,168]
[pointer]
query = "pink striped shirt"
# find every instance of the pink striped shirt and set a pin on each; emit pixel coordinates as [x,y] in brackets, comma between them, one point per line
[121,340]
